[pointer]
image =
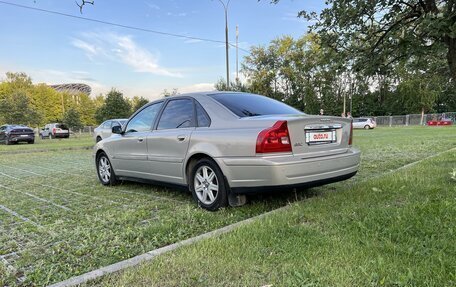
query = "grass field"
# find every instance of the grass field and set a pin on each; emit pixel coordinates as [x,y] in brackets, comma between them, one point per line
[57,221]
[74,142]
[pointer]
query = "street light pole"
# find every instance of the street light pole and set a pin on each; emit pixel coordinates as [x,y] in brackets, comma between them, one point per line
[225,7]
[237,59]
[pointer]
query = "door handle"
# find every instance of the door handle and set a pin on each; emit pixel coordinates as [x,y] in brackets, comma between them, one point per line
[181,138]
[140,140]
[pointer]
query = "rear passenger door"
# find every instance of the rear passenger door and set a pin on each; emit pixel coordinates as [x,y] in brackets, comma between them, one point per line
[167,145]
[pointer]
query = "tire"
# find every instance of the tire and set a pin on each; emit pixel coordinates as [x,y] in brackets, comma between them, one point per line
[31,142]
[50,136]
[105,171]
[98,139]
[42,137]
[207,179]
[8,142]
[366,127]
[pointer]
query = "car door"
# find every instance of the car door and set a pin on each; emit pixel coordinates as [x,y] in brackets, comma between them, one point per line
[106,131]
[2,133]
[130,148]
[167,145]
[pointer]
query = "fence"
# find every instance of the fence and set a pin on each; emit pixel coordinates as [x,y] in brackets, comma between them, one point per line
[412,120]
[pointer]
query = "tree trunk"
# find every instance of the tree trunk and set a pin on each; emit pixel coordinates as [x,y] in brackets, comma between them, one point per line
[422,116]
[451,56]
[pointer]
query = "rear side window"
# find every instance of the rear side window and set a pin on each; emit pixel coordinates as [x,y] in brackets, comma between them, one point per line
[250,105]
[201,116]
[143,121]
[60,126]
[177,114]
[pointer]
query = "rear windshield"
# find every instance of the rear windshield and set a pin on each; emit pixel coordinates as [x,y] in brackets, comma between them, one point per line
[60,126]
[250,105]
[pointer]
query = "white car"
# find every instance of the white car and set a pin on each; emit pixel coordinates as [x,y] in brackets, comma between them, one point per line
[105,129]
[364,123]
[55,130]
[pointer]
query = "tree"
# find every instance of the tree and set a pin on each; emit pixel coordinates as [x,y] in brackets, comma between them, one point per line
[167,93]
[138,102]
[72,119]
[15,108]
[378,34]
[234,86]
[115,106]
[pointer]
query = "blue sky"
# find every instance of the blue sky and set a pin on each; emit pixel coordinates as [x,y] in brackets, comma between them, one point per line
[55,49]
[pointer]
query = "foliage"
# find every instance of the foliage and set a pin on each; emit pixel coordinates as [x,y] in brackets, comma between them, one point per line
[115,106]
[310,76]
[16,108]
[236,86]
[378,34]
[138,102]
[72,119]
[167,93]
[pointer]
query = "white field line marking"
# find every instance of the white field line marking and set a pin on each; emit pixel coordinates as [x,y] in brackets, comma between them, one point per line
[77,280]
[36,197]
[58,188]
[6,209]
[119,190]
[23,170]
[148,256]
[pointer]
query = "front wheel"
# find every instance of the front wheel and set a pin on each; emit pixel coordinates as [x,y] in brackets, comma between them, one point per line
[50,136]
[105,171]
[207,185]
[366,127]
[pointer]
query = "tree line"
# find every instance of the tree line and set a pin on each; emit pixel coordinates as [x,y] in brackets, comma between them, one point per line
[310,75]
[22,102]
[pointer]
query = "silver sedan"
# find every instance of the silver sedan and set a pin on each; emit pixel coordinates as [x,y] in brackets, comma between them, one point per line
[223,145]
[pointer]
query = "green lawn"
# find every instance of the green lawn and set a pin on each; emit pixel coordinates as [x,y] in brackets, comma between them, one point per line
[76,141]
[57,221]
[395,230]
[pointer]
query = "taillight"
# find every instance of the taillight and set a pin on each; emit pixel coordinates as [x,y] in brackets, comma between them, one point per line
[274,139]
[53,130]
[350,139]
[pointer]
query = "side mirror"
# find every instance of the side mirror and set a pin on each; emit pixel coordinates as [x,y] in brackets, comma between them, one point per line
[116,129]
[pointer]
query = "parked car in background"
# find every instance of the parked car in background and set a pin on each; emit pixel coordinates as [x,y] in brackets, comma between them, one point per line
[105,129]
[364,123]
[10,134]
[222,145]
[55,130]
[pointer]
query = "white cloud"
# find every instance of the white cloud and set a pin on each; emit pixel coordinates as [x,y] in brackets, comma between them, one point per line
[192,41]
[152,6]
[121,48]
[201,87]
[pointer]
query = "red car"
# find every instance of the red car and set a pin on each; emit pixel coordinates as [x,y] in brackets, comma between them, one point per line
[442,122]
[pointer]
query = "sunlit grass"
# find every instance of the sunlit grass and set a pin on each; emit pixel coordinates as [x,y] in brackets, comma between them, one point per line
[76,225]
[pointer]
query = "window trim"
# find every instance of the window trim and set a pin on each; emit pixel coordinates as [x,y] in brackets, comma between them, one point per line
[155,127]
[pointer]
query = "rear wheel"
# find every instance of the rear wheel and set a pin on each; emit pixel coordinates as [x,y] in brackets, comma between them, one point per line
[366,127]
[208,186]
[50,136]
[105,171]
[8,142]
[31,142]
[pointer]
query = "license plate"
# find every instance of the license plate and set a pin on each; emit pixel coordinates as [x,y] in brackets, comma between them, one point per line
[320,137]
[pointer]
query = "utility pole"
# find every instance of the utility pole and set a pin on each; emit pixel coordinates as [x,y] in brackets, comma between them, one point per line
[225,7]
[237,58]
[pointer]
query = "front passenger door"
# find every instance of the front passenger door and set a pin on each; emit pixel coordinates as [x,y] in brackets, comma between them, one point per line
[130,150]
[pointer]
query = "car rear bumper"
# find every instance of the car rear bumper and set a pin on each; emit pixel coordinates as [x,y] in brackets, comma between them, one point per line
[61,135]
[288,170]
[19,138]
